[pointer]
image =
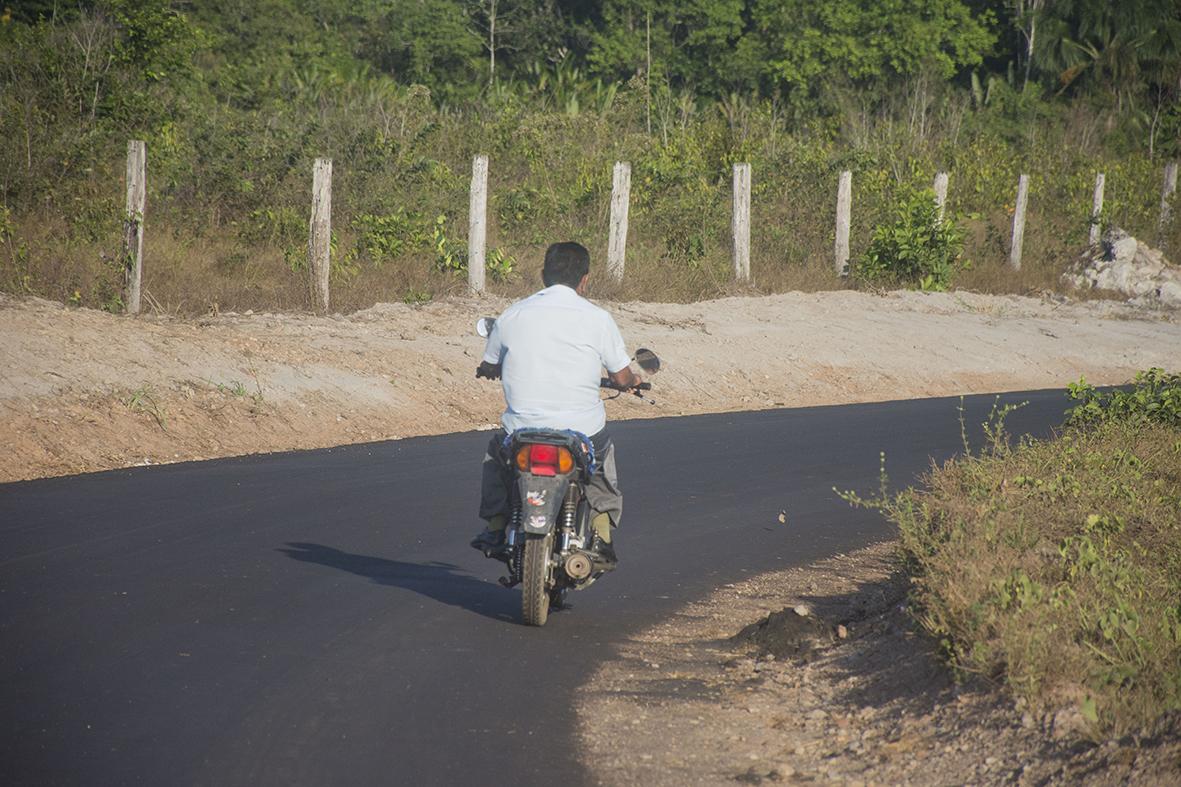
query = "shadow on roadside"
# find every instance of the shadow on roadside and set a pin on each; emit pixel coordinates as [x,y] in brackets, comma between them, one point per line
[442,582]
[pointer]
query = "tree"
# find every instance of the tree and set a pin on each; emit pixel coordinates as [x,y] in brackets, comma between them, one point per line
[1120,49]
[429,42]
[802,44]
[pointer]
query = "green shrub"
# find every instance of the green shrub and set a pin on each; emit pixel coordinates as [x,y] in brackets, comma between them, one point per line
[917,249]
[385,237]
[1155,396]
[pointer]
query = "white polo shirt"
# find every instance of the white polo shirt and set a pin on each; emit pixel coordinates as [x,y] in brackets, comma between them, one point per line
[553,347]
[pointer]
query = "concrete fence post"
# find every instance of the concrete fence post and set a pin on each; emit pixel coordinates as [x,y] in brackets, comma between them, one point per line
[844,217]
[940,193]
[477,224]
[740,223]
[1019,223]
[133,223]
[1166,195]
[320,233]
[621,184]
[1097,210]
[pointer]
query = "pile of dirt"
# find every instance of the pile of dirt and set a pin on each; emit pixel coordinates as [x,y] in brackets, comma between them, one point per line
[789,633]
[1132,268]
[84,390]
[678,706]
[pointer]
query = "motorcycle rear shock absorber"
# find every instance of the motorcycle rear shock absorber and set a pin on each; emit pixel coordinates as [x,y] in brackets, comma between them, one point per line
[567,517]
[516,550]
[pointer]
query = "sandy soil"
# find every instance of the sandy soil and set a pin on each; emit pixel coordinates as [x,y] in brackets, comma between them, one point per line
[847,693]
[82,390]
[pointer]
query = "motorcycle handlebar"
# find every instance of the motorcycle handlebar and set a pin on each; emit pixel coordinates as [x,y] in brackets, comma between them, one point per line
[605,382]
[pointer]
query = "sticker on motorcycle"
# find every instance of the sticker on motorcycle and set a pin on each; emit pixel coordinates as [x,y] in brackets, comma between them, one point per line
[536,499]
[538,520]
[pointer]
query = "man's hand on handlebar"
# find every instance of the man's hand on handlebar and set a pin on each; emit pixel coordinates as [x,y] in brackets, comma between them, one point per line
[626,380]
[489,370]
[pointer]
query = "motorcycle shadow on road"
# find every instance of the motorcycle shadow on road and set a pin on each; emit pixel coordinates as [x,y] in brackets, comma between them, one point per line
[443,582]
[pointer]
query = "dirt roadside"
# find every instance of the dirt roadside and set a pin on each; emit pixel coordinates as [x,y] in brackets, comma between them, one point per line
[845,693]
[82,390]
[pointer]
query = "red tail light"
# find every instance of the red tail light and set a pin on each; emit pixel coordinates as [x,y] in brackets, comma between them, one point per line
[543,459]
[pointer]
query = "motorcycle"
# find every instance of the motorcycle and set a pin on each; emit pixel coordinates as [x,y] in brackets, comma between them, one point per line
[547,546]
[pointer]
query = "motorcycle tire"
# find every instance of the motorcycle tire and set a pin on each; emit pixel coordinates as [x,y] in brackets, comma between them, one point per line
[535,597]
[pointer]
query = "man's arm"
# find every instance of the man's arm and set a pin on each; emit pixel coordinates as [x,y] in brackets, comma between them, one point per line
[624,378]
[493,356]
[614,354]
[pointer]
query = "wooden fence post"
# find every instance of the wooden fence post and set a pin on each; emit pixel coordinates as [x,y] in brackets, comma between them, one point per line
[1019,222]
[940,193]
[1166,195]
[1097,210]
[320,233]
[740,222]
[844,216]
[133,223]
[621,185]
[477,227]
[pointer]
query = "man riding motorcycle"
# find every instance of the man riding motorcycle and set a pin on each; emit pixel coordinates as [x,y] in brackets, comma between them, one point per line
[548,351]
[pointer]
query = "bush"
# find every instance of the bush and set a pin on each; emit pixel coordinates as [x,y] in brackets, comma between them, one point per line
[1155,396]
[918,249]
[1055,566]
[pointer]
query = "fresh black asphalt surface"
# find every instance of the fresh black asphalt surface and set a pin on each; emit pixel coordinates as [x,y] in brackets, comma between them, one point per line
[317,617]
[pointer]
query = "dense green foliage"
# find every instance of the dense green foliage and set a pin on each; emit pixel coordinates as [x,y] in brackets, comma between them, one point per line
[1054,565]
[236,98]
[1155,395]
[918,248]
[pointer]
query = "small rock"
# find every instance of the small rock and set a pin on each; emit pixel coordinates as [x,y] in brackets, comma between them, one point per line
[842,632]
[803,610]
[1067,723]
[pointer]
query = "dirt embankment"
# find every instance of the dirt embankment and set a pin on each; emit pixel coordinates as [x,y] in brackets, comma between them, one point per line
[82,390]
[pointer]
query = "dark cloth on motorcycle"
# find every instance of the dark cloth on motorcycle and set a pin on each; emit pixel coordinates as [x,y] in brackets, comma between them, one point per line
[602,490]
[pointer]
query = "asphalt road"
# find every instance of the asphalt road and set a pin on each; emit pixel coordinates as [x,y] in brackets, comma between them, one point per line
[317,617]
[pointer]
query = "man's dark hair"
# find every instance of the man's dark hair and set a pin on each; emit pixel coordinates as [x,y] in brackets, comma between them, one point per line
[565,263]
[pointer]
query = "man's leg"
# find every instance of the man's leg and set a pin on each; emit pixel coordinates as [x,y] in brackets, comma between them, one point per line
[606,502]
[494,494]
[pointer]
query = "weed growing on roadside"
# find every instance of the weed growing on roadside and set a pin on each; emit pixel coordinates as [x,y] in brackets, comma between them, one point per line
[1155,396]
[142,400]
[233,388]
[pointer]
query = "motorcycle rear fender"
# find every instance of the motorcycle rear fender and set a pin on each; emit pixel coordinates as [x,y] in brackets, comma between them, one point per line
[541,500]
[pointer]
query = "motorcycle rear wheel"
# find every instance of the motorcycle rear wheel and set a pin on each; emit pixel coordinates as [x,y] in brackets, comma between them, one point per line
[535,597]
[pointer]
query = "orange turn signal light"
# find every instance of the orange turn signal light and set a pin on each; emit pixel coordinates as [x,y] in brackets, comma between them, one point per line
[565,460]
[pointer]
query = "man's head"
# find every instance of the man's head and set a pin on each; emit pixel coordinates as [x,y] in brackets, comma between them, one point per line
[566,263]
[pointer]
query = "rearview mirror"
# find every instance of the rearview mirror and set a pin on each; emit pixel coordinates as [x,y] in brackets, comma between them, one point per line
[484,326]
[647,360]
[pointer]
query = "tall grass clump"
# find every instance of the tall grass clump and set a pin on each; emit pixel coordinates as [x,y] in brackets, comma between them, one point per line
[1054,566]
